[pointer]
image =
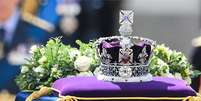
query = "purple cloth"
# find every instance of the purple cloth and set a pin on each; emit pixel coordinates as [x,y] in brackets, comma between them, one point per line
[113,47]
[91,87]
[111,44]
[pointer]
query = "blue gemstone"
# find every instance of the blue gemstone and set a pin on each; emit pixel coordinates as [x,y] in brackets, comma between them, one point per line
[125,18]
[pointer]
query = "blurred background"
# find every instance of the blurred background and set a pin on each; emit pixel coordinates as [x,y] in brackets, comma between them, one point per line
[26,22]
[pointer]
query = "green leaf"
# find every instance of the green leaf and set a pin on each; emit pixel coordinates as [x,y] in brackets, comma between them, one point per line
[195,73]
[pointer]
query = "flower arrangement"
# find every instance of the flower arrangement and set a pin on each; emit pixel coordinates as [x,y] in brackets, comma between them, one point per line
[56,60]
[170,63]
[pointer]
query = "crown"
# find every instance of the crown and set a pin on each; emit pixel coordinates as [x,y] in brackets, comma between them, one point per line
[124,58]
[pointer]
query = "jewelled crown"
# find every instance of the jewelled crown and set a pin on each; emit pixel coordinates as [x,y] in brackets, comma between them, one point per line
[124,58]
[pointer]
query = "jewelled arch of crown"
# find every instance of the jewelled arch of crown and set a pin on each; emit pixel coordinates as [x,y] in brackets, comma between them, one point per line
[125,70]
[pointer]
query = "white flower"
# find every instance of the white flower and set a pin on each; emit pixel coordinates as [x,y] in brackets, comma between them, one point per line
[82,63]
[24,69]
[188,80]
[42,50]
[42,60]
[168,75]
[74,53]
[33,49]
[54,69]
[41,75]
[70,76]
[39,69]
[89,73]
[55,72]
[59,52]
[178,76]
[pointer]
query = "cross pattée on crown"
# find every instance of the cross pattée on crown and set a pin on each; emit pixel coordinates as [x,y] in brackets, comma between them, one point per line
[126,21]
[126,17]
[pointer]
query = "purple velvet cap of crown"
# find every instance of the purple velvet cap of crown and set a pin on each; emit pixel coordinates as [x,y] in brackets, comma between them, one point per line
[113,47]
[116,43]
[91,87]
[111,44]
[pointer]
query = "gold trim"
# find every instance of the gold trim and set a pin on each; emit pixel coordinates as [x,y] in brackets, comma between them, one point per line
[46,90]
[30,6]
[74,98]
[30,18]
[37,94]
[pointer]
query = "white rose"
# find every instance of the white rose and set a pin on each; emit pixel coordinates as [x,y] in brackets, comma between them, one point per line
[85,74]
[24,69]
[42,60]
[178,76]
[82,63]
[39,69]
[33,49]
[74,53]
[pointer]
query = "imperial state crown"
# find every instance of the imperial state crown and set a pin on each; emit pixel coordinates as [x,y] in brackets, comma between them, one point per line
[124,58]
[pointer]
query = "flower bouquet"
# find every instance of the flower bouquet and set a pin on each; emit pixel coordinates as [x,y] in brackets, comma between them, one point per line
[56,60]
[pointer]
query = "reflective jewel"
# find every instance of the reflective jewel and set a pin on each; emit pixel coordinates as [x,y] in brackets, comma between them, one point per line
[126,21]
[143,56]
[125,30]
[106,58]
[126,56]
[126,17]
[125,72]
[126,42]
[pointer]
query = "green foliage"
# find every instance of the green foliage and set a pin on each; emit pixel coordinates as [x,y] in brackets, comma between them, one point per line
[167,62]
[195,73]
[56,60]
[51,62]
[88,49]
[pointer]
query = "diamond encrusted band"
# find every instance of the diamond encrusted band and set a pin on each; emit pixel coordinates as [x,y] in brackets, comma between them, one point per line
[123,71]
[144,78]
